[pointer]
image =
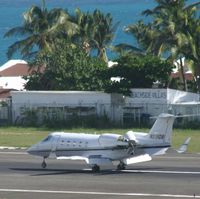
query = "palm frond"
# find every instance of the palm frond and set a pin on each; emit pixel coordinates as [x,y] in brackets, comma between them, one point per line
[128,47]
[192,5]
[20,30]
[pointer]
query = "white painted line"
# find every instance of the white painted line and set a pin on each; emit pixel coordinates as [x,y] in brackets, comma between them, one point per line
[11,147]
[164,172]
[155,171]
[100,193]
[177,157]
[13,153]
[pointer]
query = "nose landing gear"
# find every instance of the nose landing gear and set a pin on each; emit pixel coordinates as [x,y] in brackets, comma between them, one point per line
[95,168]
[121,166]
[44,164]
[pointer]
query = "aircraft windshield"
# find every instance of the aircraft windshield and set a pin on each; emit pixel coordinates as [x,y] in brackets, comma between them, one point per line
[47,138]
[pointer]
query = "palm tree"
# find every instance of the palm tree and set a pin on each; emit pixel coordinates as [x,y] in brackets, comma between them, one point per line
[41,28]
[103,32]
[192,53]
[145,35]
[168,33]
[96,31]
[85,35]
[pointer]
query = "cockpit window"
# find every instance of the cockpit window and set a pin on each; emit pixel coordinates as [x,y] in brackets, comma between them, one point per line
[47,138]
[121,138]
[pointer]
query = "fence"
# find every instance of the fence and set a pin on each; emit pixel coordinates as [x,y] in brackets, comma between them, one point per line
[102,115]
[5,112]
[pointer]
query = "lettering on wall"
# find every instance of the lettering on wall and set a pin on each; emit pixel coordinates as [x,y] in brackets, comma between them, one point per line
[160,95]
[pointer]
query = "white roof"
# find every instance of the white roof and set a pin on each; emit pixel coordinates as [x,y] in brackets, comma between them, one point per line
[12,63]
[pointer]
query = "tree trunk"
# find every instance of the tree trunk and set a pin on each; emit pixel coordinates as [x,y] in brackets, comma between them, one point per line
[102,55]
[197,77]
[183,75]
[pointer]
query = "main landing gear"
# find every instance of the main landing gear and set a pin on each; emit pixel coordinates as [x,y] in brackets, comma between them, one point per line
[44,164]
[95,168]
[121,166]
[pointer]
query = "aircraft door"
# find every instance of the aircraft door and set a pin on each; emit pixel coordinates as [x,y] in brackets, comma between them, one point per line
[54,143]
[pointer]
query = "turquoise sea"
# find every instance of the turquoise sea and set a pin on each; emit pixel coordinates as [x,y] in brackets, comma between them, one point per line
[124,11]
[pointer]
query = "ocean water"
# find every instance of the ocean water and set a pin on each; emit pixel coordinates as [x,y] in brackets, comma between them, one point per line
[124,11]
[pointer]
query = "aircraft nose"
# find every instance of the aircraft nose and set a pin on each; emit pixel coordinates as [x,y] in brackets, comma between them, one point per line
[33,149]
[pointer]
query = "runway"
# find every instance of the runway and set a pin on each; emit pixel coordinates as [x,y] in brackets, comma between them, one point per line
[169,176]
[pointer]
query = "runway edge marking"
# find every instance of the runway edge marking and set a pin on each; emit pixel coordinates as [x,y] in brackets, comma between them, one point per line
[160,171]
[11,147]
[100,193]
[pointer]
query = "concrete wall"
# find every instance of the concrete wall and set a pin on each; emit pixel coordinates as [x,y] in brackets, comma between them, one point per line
[116,107]
[30,99]
[59,97]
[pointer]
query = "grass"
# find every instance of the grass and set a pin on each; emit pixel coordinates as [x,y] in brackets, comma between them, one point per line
[25,137]
[180,135]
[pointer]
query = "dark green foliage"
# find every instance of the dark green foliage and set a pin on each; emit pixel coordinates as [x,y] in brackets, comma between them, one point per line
[140,72]
[68,68]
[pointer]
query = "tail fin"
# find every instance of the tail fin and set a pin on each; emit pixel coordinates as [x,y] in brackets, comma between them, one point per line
[162,129]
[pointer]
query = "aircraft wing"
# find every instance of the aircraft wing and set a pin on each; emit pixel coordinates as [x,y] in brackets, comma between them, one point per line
[73,158]
[90,160]
[137,159]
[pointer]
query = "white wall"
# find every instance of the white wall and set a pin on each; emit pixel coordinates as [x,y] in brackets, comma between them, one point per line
[151,101]
[176,96]
[147,96]
[58,98]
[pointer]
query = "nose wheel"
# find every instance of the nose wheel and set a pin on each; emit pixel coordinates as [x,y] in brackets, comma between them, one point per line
[121,166]
[95,168]
[44,164]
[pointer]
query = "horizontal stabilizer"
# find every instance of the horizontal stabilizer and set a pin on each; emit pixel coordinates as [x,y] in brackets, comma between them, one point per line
[137,159]
[184,146]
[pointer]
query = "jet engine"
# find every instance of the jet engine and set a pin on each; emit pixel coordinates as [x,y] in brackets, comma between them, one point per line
[130,137]
[132,141]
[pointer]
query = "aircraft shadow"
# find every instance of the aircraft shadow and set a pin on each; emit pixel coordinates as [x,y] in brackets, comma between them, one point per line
[43,172]
[48,172]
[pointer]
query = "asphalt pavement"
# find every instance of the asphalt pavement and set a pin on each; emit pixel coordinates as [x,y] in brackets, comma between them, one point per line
[169,176]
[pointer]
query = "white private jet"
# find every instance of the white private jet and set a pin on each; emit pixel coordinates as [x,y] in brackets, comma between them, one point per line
[105,149]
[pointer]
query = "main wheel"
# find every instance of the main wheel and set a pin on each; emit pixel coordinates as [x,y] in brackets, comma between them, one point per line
[44,165]
[95,168]
[121,166]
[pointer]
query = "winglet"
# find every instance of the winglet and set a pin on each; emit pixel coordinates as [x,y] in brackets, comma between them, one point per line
[184,146]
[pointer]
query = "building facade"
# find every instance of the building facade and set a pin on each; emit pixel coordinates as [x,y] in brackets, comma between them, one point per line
[138,107]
